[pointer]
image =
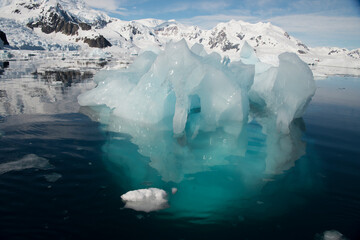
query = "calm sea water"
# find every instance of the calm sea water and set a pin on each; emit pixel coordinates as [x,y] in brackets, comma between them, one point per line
[62,174]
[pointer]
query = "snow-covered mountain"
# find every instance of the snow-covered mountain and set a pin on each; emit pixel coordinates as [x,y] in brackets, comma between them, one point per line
[72,25]
[62,21]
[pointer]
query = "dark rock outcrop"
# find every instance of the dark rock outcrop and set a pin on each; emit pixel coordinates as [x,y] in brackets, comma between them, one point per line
[56,23]
[134,30]
[221,40]
[84,26]
[3,38]
[355,54]
[303,45]
[98,42]
[334,51]
[241,36]
[59,21]
[301,52]
[286,35]
[228,46]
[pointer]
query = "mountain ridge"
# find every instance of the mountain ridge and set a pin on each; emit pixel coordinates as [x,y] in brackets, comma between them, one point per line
[72,25]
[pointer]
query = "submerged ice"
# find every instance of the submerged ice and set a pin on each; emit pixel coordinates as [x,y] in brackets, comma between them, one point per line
[210,127]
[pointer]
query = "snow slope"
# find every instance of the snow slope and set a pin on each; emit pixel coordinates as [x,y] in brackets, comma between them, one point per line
[67,21]
[30,24]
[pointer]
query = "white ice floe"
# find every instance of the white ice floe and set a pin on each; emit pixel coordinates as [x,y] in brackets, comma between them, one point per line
[27,162]
[52,177]
[333,235]
[146,200]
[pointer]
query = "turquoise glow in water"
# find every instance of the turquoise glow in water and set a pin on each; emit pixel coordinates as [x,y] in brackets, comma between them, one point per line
[218,175]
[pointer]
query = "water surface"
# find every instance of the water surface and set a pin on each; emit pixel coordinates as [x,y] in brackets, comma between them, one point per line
[62,174]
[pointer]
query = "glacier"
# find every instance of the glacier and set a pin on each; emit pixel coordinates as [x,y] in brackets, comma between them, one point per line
[212,128]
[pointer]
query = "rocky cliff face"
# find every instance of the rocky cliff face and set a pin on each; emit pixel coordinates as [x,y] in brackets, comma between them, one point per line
[3,38]
[55,19]
[51,17]
[99,42]
[71,24]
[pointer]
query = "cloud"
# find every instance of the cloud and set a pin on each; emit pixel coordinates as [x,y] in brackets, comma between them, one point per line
[207,6]
[321,25]
[321,30]
[209,21]
[109,5]
[312,29]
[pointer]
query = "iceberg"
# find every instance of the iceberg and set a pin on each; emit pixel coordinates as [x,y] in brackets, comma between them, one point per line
[212,127]
[173,84]
[178,81]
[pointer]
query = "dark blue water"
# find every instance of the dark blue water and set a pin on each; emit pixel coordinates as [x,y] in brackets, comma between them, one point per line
[62,174]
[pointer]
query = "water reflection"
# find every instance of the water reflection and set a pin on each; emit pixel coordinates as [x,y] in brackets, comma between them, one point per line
[66,77]
[216,173]
[3,65]
[31,87]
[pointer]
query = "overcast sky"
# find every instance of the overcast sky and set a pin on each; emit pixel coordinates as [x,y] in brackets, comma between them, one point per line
[315,22]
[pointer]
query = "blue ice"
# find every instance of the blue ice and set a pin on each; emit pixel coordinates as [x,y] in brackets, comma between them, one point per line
[212,128]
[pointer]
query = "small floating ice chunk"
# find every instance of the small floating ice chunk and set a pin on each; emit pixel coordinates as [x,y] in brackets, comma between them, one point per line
[333,235]
[27,162]
[53,177]
[174,190]
[146,200]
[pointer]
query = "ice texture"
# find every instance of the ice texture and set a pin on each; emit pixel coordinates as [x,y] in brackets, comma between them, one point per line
[146,200]
[173,84]
[247,54]
[212,127]
[178,81]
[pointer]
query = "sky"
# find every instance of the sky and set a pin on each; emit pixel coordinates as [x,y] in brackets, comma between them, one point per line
[314,22]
